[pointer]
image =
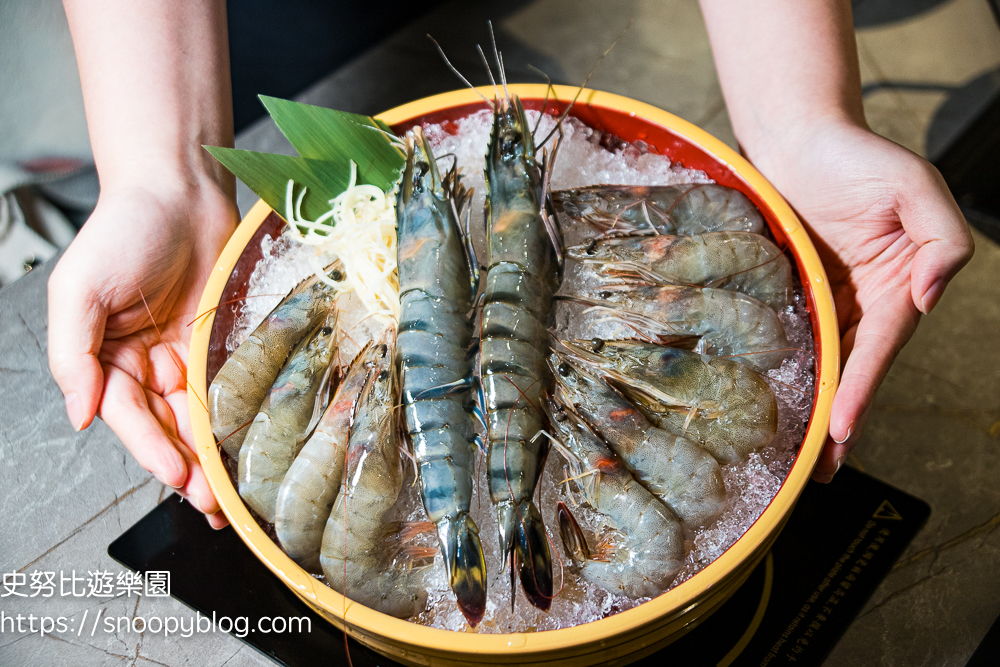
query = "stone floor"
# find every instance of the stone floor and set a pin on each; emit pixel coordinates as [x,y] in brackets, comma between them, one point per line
[934,430]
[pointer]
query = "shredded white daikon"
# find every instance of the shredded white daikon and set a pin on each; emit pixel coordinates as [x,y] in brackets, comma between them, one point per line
[360,229]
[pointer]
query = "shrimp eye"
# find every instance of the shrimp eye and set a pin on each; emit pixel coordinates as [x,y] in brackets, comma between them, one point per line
[326,331]
[563,369]
[384,374]
[605,294]
[561,416]
[597,345]
[591,247]
[382,349]
[336,276]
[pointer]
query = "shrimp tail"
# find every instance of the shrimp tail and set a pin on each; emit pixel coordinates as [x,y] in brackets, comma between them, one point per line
[530,549]
[463,557]
[572,535]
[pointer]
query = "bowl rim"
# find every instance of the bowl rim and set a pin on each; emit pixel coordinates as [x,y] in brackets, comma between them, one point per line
[368,622]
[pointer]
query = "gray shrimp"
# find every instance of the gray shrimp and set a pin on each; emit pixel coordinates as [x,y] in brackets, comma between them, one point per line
[674,469]
[693,208]
[646,548]
[739,261]
[243,382]
[724,406]
[517,304]
[436,280]
[288,414]
[727,323]
[359,555]
[310,486]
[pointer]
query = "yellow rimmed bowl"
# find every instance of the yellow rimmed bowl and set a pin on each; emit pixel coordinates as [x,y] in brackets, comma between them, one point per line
[618,639]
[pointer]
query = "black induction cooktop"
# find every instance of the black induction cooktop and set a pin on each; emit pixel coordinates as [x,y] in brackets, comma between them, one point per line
[840,542]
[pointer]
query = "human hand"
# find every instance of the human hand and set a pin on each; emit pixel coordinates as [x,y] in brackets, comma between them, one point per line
[144,252]
[891,238]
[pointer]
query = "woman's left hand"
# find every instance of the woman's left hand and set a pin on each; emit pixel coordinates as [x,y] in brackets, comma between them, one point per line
[891,238]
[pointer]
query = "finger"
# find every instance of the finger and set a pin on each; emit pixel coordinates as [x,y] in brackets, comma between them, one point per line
[125,409]
[178,402]
[197,488]
[881,333]
[218,521]
[835,453]
[934,222]
[161,410]
[76,330]
[199,492]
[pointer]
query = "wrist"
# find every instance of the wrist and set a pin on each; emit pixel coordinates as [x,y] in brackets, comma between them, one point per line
[182,182]
[182,166]
[790,148]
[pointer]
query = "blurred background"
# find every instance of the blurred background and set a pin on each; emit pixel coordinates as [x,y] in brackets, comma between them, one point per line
[931,80]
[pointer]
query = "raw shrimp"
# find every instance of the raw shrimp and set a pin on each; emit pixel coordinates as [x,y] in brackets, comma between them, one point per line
[241,385]
[739,261]
[286,417]
[727,323]
[520,280]
[358,557]
[724,406]
[660,209]
[436,285]
[311,483]
[646,549]
[676,470]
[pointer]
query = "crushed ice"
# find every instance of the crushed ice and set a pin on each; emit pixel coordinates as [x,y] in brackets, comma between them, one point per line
[584,159]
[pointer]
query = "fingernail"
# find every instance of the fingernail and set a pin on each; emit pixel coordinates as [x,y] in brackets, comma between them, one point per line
[163,480]
[74,409]
[840,462]
[931,296]
[849,429]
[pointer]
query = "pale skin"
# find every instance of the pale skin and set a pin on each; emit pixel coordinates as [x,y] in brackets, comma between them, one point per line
[887,229]
[155,78]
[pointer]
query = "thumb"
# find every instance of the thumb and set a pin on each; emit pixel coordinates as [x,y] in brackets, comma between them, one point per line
[934,222]
[75,335]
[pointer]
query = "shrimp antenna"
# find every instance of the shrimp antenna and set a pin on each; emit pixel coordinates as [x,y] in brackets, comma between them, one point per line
[503,75]
[545,102]
[459,74]
[489,71]
[600,60]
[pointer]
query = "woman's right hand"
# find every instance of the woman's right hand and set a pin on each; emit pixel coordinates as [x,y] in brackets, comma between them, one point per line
[155,78]
[144,253]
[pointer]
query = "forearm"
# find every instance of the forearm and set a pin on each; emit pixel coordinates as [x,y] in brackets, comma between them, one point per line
[155,77]
[785,66]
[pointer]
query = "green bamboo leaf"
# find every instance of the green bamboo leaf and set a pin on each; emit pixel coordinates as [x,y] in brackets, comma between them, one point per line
[267,174]
[319,133]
